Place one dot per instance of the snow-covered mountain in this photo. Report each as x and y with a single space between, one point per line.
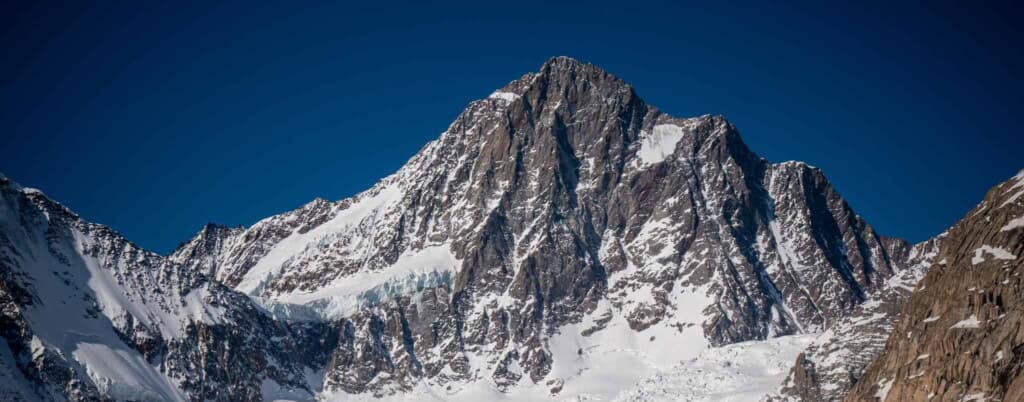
87 315
561 239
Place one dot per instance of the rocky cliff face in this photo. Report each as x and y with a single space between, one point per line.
558 225
959 337
830 365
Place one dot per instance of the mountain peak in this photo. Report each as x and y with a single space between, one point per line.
6 181
562 66
213 229
563 62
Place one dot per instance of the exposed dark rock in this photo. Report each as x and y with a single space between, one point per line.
959 337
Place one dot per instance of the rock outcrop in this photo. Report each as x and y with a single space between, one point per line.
959 337
830 365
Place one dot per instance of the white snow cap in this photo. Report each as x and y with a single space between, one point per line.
505 96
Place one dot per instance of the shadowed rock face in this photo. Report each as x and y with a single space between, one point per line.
959 336
829 367
562 202
77 298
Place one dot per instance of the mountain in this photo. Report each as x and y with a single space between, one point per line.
88 315
959 336
561 239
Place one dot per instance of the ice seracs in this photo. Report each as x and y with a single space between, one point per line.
414 271
739 372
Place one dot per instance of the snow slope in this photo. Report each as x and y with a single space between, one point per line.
742 372
739 372
79 304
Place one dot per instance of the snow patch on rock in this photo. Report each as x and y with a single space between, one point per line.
968 323
1017 188
998 253
659 143
505 96
1013 224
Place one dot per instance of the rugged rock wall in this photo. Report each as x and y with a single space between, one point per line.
829 367
959 337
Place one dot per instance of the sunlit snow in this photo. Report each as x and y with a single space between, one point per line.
1017 188
505 96
659 143
969 322
741 372
996 252
1013 224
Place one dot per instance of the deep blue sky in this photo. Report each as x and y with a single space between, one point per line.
157 119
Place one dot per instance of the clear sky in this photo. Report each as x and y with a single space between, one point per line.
155 119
